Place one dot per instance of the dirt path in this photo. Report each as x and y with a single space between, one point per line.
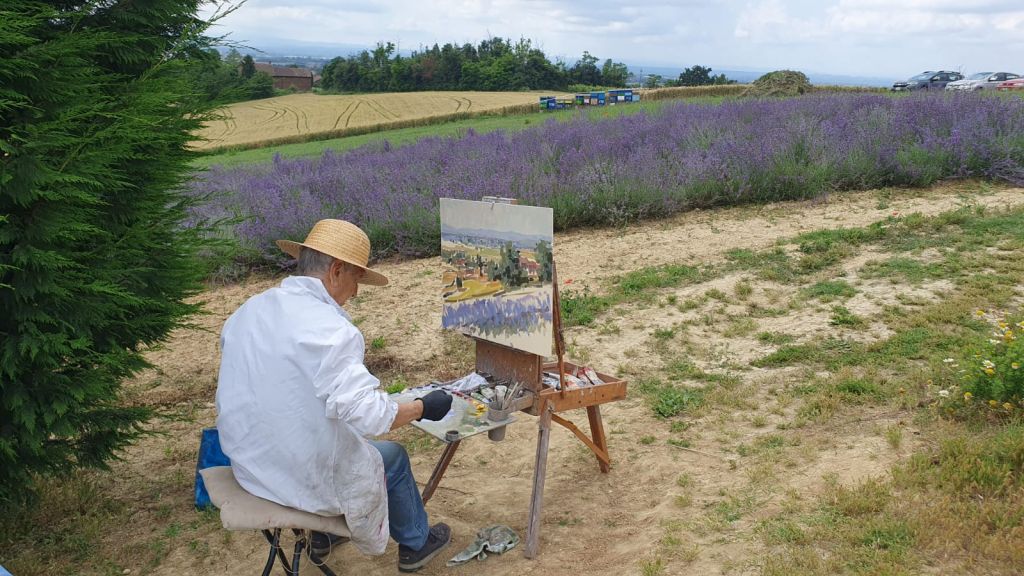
663 509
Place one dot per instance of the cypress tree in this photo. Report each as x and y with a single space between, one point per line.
96 111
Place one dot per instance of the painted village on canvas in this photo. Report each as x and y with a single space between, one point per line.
497 272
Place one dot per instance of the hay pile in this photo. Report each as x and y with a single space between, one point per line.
780 83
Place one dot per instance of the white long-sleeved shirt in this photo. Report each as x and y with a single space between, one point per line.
294 402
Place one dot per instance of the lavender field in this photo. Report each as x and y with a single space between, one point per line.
501 316
635 166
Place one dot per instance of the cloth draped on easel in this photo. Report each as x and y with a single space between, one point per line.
494 539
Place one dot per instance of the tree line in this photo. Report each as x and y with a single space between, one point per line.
494 64
695 75
231 78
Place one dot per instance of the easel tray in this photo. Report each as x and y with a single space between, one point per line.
612 390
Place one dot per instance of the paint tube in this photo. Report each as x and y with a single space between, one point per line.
592 376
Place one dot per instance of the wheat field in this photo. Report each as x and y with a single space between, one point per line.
299 117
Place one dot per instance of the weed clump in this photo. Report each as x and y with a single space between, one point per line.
780 83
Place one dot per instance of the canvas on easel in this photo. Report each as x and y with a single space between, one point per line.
498 270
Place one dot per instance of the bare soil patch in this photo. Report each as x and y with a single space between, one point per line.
676 501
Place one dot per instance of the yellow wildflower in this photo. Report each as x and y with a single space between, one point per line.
1008 336
993 403
968 396
1014 365
1007 406
980 312
989 371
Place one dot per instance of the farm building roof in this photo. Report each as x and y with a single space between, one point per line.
282 71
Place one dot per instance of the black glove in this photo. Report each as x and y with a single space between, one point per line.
435 405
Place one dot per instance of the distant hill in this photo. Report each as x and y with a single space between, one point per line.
747 76
491 238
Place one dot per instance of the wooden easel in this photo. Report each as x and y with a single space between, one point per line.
547 403
505 363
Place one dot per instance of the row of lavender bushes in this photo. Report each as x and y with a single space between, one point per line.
635 166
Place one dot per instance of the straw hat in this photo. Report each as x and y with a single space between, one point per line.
342 240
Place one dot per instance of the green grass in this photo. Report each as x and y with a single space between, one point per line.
647 279
777 338
787 355
397 386
968 489
668 400
829 290
965 482
841 316
582 307
907 270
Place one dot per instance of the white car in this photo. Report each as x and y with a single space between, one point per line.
981 81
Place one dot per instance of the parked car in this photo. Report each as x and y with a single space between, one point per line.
1017 84
928 81
982 81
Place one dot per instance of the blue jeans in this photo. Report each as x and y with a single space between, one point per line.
407 519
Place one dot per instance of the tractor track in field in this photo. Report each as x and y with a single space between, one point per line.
275 113
349 119
382 110
342 115
298 120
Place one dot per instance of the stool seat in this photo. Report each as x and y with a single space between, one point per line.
240 510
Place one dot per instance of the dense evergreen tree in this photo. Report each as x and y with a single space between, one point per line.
493 64
231 79
248 69
97 107
699 76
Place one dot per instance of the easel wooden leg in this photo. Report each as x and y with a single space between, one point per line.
539 471
597 431
439 469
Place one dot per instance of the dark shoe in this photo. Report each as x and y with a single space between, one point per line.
321 543
410 560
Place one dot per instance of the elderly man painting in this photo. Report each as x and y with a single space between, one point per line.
294 403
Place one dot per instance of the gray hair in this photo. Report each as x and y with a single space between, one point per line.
313 263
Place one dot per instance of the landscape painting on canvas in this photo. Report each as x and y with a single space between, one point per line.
497 270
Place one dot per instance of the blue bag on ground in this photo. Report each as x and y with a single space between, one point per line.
210 455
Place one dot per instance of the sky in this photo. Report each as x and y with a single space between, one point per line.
874 38
534 221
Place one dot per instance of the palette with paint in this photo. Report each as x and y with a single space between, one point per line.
468 416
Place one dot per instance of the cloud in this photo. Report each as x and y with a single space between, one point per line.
876 37
769 21
774 22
